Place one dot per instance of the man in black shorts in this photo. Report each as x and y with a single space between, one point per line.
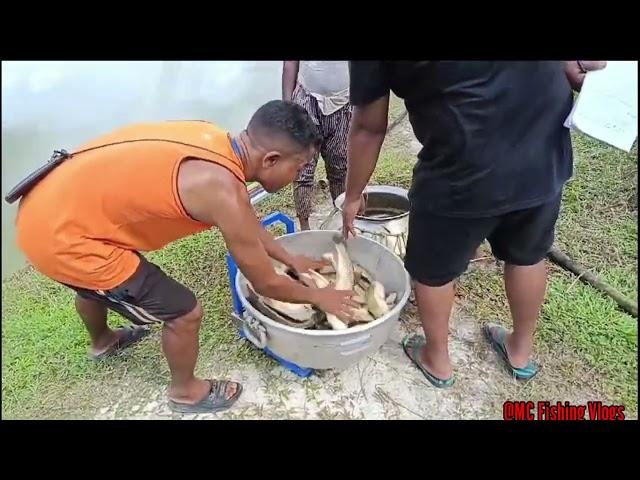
494 161
143 186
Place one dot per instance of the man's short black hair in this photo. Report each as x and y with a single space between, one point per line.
286 119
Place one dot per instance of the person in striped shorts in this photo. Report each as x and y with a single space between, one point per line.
322 88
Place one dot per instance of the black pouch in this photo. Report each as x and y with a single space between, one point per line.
30 181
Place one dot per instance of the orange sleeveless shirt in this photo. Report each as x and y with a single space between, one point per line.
83 223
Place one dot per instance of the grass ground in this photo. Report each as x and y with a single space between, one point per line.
598 228
46 374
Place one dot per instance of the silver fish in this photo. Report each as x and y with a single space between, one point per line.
344 267
257 301
344 278
296 311
375 300
362 274
280 268
307 280
319 280
362 315
329 257
342 274
391 298
336 323
363 284
327 269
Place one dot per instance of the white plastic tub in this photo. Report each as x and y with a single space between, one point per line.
330 349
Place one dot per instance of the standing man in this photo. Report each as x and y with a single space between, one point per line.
322 88
494 162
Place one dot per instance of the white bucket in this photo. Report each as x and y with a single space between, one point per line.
390 228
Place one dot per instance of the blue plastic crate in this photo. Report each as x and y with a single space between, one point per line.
276 217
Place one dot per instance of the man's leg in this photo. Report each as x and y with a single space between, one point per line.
334 149
525 287
438 251
304 185
151 296
303 193
94 316
522 240
180 346
434 308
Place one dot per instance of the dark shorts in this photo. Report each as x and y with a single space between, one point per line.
439 248
148 296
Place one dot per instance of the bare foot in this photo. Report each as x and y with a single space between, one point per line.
119 338
438 366
518 359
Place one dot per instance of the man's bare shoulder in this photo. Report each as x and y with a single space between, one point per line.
208 190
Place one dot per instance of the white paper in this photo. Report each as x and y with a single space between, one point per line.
607 107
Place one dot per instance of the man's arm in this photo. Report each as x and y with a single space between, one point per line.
221 200
369 94
289 78
366 136
243 234
299 263
273 248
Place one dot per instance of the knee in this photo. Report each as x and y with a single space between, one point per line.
195 315
190 321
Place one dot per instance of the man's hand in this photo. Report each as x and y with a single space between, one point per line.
336 302
576 70
302 264
350 209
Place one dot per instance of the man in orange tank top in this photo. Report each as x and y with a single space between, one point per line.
143 186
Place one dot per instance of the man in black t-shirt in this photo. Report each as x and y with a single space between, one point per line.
495 158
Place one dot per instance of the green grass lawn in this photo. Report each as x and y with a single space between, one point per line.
46 374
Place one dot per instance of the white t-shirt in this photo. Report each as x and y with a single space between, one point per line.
327 82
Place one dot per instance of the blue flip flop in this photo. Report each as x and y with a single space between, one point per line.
496 336
411 345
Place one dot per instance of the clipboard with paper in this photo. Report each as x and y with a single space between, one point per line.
607 106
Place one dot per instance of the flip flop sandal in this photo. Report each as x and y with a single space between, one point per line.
412 345
214 401
129 336
496 336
